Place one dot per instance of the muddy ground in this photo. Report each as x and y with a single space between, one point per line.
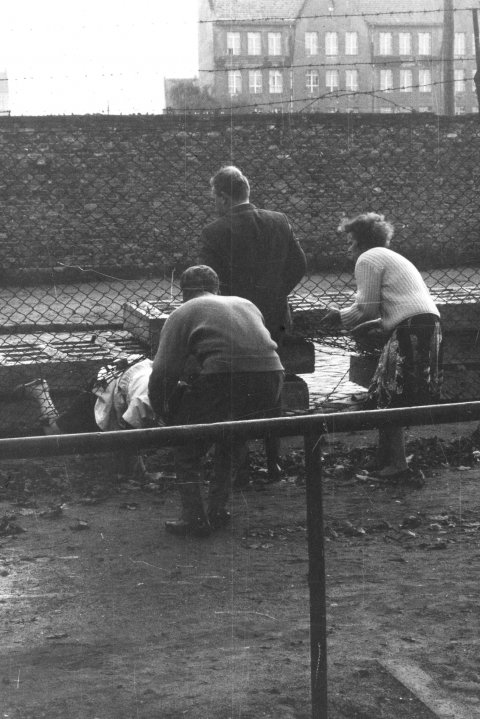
107 617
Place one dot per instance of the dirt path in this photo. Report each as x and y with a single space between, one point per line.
107 617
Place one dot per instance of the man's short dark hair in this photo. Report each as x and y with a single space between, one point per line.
232 182
199 278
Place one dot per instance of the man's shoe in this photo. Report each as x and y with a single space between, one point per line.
219 518
184 528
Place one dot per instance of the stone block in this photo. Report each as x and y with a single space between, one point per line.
295 394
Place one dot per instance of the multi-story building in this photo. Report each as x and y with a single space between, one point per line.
334 55
246 51
4 97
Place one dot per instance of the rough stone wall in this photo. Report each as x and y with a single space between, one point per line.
129 195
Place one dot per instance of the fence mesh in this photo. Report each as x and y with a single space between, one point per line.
100 215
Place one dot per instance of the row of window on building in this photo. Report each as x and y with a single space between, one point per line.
405 80
390 109
388 43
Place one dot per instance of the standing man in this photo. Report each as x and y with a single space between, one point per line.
239 376
253 252
256 256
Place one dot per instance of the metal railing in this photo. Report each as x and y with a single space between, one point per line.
311 427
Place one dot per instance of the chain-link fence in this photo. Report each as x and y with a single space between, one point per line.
101 214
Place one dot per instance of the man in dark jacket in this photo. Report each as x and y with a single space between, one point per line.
256 256
253 252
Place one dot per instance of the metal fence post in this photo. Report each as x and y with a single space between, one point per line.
316 576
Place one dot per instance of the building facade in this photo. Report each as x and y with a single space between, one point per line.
334 55
4 96
246 52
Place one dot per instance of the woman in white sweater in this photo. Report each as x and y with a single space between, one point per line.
391 289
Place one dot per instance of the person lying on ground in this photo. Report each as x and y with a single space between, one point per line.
390 288
116 400
240 376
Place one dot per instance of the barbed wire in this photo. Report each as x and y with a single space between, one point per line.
369 63
386 13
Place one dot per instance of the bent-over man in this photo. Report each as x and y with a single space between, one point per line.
239 376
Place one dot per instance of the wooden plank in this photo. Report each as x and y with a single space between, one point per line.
68 361
431 694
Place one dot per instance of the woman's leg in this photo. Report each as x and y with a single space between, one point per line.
392 447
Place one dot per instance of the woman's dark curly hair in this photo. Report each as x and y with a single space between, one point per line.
369 230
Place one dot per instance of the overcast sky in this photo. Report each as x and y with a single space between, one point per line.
95 55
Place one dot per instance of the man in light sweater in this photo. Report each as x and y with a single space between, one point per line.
237 375
391 289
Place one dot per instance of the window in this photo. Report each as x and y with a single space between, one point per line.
385 43
425 80
255 81
424 43
351 43
386 110
254 43
406 80
386 80
351 80
425 108
234 82
274 43
459 46
312 81
311 43
331 80
331 43
459 80
233 43
404 43
275 78
459 110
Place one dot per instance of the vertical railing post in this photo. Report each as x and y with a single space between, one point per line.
316 576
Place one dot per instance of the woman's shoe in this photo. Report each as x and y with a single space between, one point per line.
414 478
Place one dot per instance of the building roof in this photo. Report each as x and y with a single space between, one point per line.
404 12
238 10
375 11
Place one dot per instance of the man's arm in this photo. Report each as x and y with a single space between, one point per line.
212 253
295 265
168 364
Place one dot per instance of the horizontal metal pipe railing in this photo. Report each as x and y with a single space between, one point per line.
311 427
249 429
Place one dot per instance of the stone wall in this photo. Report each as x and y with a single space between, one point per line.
129 195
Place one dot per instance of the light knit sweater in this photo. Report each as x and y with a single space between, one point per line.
388 287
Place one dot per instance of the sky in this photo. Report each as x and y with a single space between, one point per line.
103 56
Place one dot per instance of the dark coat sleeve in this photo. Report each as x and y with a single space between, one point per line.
209 253
295 265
